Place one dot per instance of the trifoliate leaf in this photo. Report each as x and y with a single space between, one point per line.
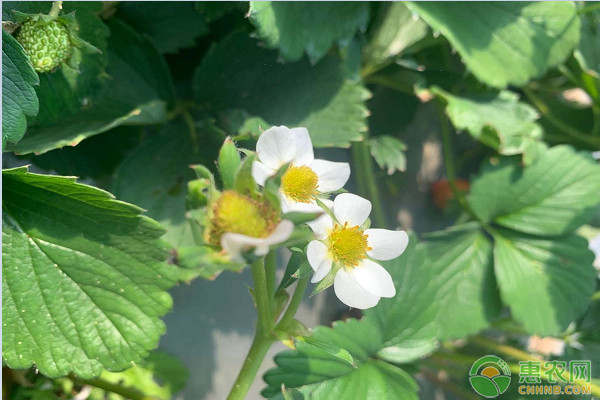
18 95
83 277
323 374
506 43
295 26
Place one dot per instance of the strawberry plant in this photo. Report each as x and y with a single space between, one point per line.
300 200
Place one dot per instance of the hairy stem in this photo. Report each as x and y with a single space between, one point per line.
260 345
56 7
290 313
270 267
365 177
262 338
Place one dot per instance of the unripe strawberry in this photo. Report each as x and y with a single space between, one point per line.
47 43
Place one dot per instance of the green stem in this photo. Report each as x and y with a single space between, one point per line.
565 128
365 176
449 163
261 297
297 297
128 393
260 345
56 7
263 337
191 124
596 296
449 386
270 267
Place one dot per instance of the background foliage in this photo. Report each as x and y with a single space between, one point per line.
503 248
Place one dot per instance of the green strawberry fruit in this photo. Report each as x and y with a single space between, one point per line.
47 43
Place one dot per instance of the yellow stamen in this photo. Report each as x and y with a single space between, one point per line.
348 245
236 213
299 183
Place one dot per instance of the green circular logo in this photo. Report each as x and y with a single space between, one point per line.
490 376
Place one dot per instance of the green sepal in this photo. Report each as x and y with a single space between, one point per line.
296 263
272 185
197 194
328 280
229 162
301 217
244 182
203 262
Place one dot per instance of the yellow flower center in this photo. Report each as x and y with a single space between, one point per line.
299 183
236 213
348 245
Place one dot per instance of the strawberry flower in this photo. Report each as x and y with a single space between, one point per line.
360 281
306 179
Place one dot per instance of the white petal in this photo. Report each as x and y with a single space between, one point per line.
303 153
321 226
350 293
276 147
281 233
374 279
350 208
322 271
236 243
260 172
316 252
386 244
332 175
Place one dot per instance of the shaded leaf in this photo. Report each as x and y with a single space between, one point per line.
170 26
295 26
18 95
316 97
136 93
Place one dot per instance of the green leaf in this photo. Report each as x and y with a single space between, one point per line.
388 152
463 275
500 120
170 26
18 95
546 283
317 373
294 27
155 176
316 97
136 93
506 42
407 321
553 196
83 277
395 30
159 376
